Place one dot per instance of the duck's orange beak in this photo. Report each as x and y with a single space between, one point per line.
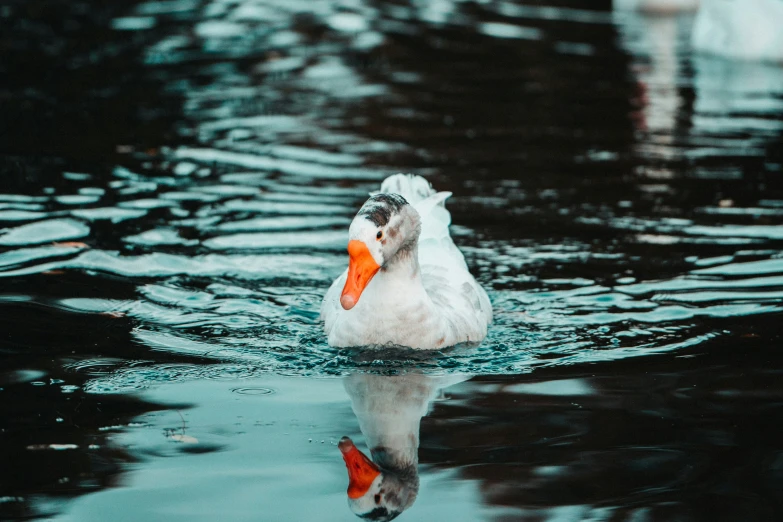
361 470
361 268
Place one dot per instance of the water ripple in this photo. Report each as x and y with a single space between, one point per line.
636 222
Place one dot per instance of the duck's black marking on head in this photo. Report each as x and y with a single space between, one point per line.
380 207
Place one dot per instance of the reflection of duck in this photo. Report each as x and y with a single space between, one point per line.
741 29
407 283
389 410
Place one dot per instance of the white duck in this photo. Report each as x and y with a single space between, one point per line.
407 284
740 29
389 409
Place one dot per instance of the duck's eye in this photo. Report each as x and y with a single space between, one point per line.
377 499
379 235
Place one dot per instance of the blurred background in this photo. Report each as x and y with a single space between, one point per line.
176 182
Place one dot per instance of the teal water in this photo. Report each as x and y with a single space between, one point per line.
178 182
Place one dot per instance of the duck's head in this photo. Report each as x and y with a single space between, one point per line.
385 228
375 493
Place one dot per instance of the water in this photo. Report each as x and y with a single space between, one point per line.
178 181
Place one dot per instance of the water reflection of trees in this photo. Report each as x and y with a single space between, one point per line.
687 436
57 439
73 89
671 438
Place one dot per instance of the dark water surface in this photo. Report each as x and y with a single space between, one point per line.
177 182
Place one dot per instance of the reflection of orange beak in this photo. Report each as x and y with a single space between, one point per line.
361 268
361 470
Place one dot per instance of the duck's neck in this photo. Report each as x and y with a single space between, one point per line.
405 263
399 280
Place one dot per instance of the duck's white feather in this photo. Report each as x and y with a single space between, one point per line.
440 306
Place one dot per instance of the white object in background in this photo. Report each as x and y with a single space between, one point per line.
656 6
740 29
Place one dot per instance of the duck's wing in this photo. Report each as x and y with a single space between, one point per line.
435 244
461 301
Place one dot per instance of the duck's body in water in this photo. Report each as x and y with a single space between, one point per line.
407 284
